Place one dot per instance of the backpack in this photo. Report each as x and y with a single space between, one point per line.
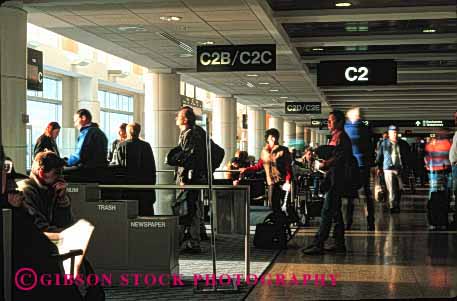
273 233
217 155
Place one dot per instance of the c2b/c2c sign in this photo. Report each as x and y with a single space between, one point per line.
357 73
236 58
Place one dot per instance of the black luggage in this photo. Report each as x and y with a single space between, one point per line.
438 209
273 232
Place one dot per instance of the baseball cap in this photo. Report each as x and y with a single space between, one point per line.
393 128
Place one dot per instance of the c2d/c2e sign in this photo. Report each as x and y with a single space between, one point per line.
220 58
357 73
302 107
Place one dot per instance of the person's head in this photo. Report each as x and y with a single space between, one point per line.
122 131
393 133
48 167
242 155
133 130
335 120
186 117
385 135
353 114
82 118
52 130
272 136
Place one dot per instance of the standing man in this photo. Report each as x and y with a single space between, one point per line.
363 152
276 161
136 156
192 170
92 146
335 167
453 159
392 161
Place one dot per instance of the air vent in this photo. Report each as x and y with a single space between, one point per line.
176 41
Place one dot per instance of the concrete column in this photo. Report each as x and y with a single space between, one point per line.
313 135
68 132
307 136
161 104
13 56
277 123
224 127
256 131
289 134
88 96
138 111
300 137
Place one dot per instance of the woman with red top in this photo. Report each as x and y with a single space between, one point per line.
276 161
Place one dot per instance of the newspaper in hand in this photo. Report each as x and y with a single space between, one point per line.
75 237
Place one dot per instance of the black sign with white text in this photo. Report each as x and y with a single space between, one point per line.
236 58
319 123
357 73
303 107
34 70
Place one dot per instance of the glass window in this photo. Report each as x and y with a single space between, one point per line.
190 90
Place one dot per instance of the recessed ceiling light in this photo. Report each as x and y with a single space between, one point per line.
184 55
250 85
252 75
429 30
343 4
207 43
274 90
284 97
131 29
264 84
317 49
170 18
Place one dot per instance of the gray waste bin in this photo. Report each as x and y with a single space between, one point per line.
80 194
230 209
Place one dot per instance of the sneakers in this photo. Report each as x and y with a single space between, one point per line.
313 250
336 249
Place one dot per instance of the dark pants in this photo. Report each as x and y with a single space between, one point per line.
331 211
275 196
365 177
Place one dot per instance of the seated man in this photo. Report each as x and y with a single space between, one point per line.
45 195
136 156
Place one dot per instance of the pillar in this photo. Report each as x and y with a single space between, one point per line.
313 140
224 127
13 56
88 96
277 123
256 131
306 136
161 104
289 134
299 137
68 132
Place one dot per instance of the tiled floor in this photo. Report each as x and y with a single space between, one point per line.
402 259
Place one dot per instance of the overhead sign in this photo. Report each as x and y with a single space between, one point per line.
412 123
319 123
34 69
303 108
236 58
357 73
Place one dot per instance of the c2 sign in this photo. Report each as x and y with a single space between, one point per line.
236 58
302 107
357 73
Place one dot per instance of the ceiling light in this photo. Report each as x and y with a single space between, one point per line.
264 84
317 49
429 30
250 85
284 97
184 55
170 18
274 90
343 4
131 29
207 43
252 75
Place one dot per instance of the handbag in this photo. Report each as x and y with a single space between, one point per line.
272 233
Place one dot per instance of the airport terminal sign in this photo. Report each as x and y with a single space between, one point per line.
34 70
357 73
303 108
236 58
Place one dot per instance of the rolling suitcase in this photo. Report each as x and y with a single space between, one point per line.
438 209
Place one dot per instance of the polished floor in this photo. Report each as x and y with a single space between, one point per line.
400 260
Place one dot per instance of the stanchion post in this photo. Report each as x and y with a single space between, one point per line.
247 261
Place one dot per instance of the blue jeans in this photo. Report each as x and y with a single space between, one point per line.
331 210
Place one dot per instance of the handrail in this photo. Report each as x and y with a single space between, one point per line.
247 197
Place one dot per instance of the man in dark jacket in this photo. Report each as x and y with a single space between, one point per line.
92 146
363 152
192 170
392 160
136 156
335 167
